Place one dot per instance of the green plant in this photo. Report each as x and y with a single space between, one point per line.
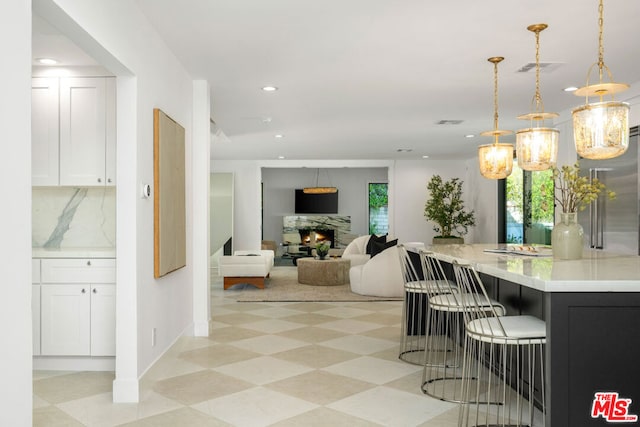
322 249
573 191
446 208
378 196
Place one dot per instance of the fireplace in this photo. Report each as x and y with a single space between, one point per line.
310 237
336 228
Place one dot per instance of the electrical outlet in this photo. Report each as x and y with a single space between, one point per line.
153 337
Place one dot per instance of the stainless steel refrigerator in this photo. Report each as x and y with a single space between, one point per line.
613 225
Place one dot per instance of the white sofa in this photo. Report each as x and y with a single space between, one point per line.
246 266
376 276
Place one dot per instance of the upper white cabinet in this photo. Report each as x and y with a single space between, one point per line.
73 127
44 131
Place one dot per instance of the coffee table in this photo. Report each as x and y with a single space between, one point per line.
327 272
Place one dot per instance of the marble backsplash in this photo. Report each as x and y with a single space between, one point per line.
68 217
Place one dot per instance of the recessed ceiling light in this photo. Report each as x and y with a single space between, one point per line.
269 88
469 136
278 136
281 157
266 120
47 61
425 157
570 89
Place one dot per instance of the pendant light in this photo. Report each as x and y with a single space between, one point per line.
496 160
601 129
537 147
317 189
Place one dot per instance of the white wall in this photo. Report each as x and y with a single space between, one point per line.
246 201
221 208
410 184
15 191
126 43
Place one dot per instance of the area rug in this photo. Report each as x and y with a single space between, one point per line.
283 286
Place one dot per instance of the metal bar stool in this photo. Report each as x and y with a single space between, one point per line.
501 355
417 287
443 355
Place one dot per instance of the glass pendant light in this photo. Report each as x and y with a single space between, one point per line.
496 160
601 129
537 147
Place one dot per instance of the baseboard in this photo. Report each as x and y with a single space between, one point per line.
126 391
60 363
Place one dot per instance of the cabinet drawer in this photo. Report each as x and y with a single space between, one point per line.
35 271
78 270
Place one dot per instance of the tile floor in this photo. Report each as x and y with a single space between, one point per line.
265 364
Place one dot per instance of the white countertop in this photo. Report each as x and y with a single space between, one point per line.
73 253
597 271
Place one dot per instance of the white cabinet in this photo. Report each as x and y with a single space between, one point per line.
73 127
103 320
66 320
35 305
78 307
44 131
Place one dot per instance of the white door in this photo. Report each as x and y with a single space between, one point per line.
82 131
103 320
65 320
44 131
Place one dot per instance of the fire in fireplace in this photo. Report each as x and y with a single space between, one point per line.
320 236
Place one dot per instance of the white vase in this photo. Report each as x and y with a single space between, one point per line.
567 237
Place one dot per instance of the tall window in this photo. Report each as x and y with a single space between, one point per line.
529 206
378 208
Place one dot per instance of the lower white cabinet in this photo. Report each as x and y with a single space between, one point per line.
35 315
103 320
77 307
66 320
35 306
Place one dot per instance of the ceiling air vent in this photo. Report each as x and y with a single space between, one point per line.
449 122
545 67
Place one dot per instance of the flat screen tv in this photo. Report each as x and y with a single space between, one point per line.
316 203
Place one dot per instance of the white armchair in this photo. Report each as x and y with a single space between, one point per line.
356 251
379 276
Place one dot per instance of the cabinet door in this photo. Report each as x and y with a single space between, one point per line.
65 320
44 131
82 131
103 320
35 318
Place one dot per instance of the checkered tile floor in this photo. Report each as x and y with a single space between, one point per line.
264 364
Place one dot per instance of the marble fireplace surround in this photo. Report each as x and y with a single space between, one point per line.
340 224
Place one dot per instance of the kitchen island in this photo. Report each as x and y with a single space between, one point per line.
592 311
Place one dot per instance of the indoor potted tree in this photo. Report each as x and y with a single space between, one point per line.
446 208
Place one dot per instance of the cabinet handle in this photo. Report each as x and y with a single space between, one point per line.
89 263
84 291
95 291
99 179
109 180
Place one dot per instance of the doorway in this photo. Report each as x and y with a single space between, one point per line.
528 207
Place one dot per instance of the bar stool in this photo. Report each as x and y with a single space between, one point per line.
500 352
417 289
443 355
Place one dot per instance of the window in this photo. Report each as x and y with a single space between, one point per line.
528 207
378 208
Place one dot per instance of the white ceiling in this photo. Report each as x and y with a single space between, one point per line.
360 79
